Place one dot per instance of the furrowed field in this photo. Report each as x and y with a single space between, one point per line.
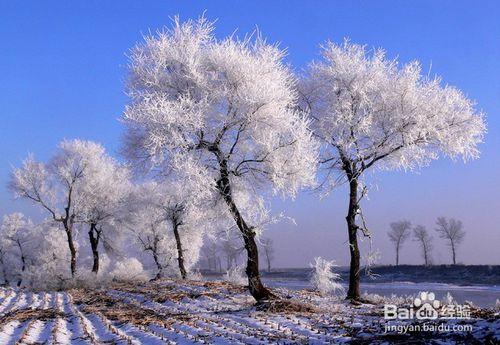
195 312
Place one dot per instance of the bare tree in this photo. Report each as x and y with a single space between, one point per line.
399 233
268 246
421 235
452 231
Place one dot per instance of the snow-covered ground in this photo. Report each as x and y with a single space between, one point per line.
171 312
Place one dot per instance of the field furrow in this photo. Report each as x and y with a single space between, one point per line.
190 312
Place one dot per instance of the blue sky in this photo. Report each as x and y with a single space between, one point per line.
63 66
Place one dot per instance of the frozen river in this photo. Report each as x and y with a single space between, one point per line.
481 295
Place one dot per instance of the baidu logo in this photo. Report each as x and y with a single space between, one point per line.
426 307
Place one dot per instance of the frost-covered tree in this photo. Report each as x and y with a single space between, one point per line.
63 187
421 235
4 263
47 268
17 239
221 114
323 278
210 250
268 248
104 191
452 231
52 186
173 211
231 247
167 223
35 255
374 114
399 233
149 227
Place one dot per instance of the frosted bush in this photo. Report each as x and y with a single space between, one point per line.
129 270
195 275
401 300
323 278
235 275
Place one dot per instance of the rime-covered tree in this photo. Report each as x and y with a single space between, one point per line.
17 240
399 233
231 247
55 188
452 231
149 227
104 191
374 114
4 263
167 223
268 248
173 211
67 187
47 266
210 250
221 114
34 255
421 235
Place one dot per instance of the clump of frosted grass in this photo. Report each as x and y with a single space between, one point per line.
235 275
323 279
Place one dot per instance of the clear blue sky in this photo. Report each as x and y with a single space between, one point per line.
63 65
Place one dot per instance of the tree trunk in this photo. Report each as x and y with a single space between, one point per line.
268 263
353 292
4 272
158 266
94 243
397 255
23 262
72 250
180 255
453 252
425 254
257 289
219 261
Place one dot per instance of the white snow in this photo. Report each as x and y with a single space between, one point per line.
202 312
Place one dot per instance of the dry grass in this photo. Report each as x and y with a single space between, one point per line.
286 306
160 291
31 314
98 302
487 314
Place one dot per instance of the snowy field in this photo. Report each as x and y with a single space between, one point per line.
167 312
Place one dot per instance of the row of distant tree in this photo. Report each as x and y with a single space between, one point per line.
451 230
